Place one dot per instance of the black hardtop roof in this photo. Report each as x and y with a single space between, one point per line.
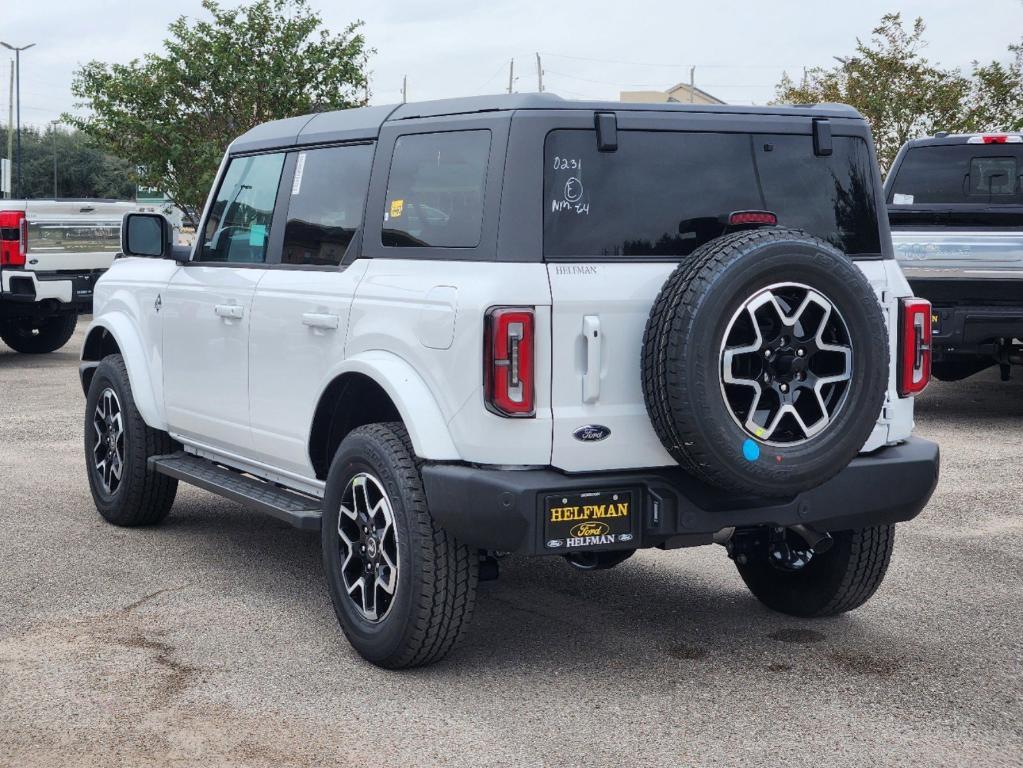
363 123
950 139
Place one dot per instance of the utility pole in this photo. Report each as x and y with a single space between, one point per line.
404 89
692 84
539 74
17 70
511 75
10 134
53 127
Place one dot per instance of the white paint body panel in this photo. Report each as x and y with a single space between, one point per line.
619 296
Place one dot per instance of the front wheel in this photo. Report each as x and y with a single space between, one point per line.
838 580
38 336
118 444
403 588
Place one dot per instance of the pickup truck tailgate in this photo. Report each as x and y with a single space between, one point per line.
74 235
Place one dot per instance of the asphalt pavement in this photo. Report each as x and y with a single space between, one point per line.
210 640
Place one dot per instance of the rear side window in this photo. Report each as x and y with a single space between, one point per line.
238 227
663 194
959 173
435 190
328 194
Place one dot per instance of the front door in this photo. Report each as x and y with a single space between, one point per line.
207 308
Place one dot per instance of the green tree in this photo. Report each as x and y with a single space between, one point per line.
83 169
900 93
173 114
996 103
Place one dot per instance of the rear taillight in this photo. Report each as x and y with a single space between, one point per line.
508 373
13 238
914 346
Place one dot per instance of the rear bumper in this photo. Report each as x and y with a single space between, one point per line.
503 509
971 315
47 292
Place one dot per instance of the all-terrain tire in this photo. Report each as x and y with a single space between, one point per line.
436 575
38 336
841 579
682 372
142 496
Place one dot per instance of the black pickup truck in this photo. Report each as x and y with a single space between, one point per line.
955 204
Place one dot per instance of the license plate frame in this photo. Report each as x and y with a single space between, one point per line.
584 520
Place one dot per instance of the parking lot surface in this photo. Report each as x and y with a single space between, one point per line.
210 640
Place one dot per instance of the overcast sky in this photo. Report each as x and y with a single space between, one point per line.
589 49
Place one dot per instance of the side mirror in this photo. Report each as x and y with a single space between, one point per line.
147 234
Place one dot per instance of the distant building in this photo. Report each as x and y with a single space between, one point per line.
683 92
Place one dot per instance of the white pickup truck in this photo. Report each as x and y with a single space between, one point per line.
51 254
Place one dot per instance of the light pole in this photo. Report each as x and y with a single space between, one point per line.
17 77
53 127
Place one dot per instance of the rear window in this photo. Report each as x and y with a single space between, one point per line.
435 190
663 194
959 174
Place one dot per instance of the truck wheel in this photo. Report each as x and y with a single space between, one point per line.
118 444
765 362
37 336
841 579
403 588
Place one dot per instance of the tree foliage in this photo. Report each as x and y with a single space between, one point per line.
174 113
903 95
83 169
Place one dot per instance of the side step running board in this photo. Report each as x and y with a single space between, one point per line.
300 511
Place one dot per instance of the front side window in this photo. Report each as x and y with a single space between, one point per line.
665 193
238 228
328 194
435 190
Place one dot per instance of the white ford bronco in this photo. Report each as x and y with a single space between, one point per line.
440 333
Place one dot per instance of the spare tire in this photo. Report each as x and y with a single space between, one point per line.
765 362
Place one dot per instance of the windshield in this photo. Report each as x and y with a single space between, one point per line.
665 193
977 174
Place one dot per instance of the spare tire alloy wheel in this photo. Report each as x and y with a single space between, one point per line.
786 363
369 546
765 362
109 441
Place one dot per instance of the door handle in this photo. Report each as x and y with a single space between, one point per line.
591 377
229 311
321 320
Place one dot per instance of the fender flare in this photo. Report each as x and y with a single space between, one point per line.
119 325
426 425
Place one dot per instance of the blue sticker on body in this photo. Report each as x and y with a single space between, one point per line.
750 450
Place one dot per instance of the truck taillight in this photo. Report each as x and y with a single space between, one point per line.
13 238
914 346
508 371
996 138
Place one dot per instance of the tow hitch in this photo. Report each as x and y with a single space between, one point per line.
787 549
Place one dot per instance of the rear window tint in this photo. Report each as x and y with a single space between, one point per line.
435 190
663 194
959 174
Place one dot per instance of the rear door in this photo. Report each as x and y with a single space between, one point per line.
617 223
73 235
300 312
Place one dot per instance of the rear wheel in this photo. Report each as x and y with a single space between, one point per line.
809 584
118 444
403 588
37 336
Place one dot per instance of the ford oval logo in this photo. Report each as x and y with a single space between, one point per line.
591 433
